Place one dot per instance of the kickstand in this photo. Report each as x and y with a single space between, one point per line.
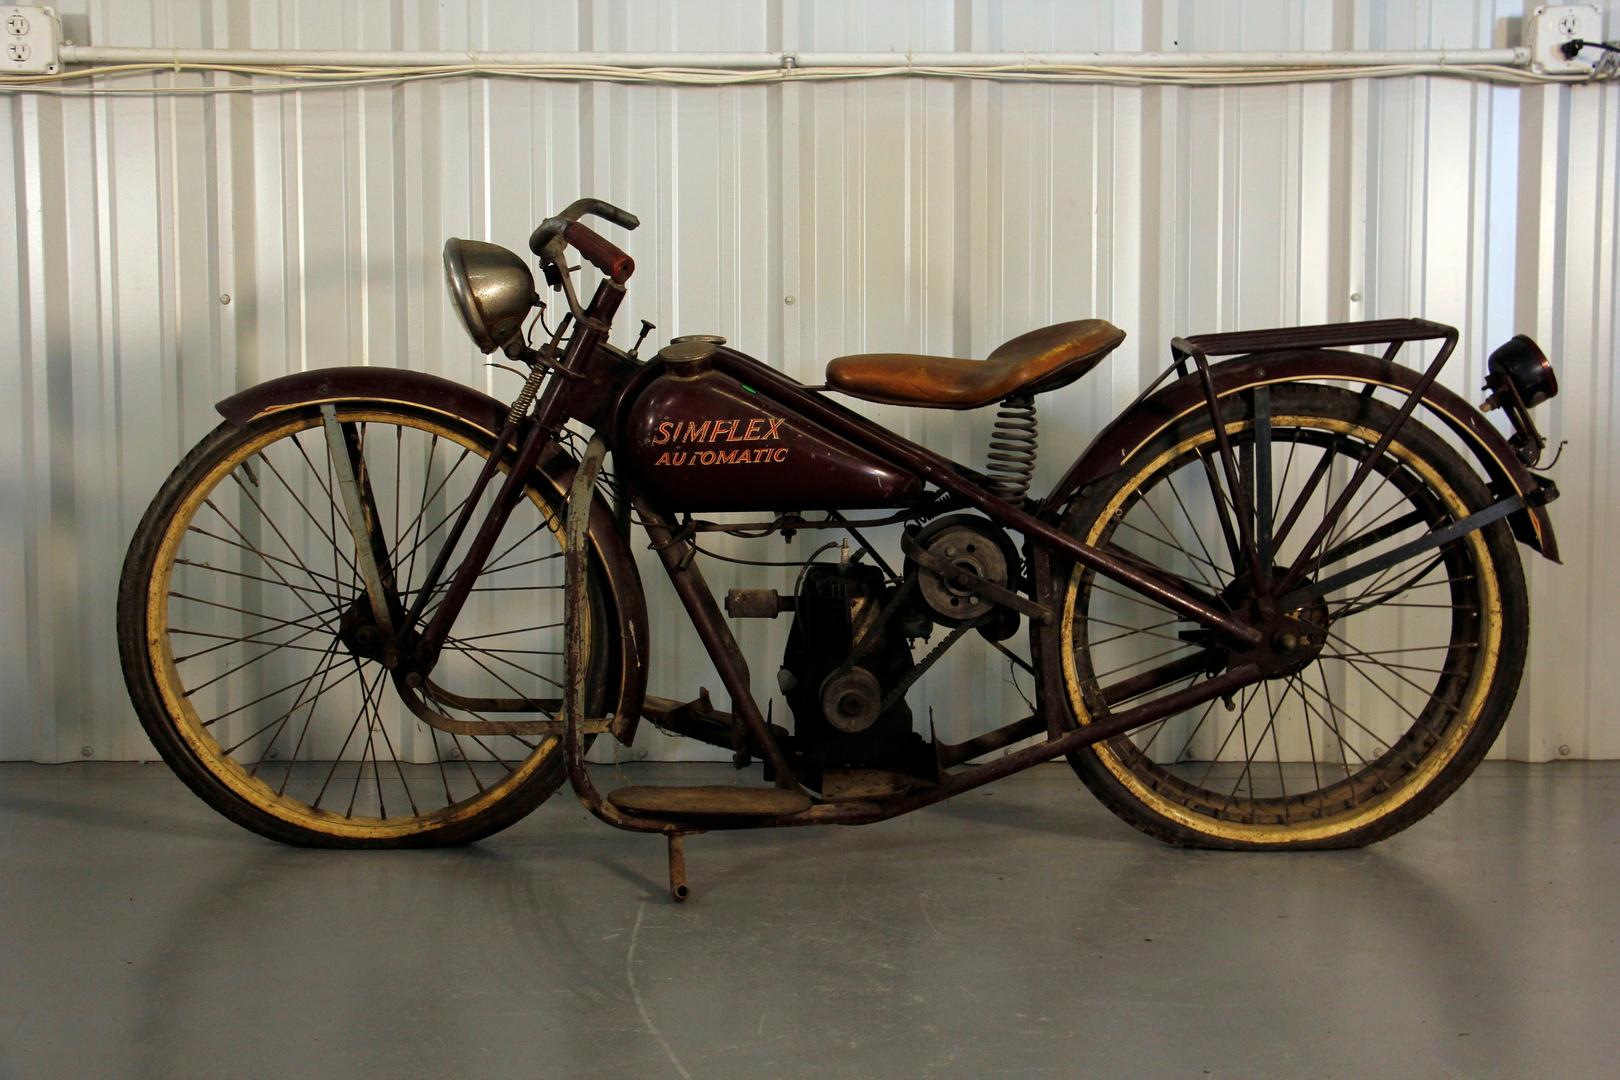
677 867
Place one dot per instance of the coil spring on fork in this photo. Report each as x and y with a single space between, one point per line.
1012 447
526 396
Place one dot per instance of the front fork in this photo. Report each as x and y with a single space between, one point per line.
533 443
549 417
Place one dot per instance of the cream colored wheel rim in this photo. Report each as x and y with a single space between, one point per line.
1434 761
255 790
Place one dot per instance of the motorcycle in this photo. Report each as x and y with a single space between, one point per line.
1269 607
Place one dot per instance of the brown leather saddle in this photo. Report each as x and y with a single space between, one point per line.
1029 364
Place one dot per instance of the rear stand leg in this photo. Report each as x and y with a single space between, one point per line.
677 867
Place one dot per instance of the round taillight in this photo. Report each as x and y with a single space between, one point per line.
1522 363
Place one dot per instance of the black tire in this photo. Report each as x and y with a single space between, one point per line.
1482 631
210 770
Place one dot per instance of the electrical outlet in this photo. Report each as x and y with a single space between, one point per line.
1550 27
33 37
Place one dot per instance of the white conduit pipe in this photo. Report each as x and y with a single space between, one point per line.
765 61
106 68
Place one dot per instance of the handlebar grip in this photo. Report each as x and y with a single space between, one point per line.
600 252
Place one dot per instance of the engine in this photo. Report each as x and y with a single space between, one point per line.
848 661
841 663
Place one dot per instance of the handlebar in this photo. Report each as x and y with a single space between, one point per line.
548 239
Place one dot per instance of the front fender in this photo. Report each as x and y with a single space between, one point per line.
430 393
1140 424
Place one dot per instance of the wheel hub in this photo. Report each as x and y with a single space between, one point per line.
360 634
1290 641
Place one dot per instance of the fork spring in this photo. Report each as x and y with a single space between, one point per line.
526 396
1013 447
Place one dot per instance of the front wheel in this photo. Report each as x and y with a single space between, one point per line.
250 650
1416 668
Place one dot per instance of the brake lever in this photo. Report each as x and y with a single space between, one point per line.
566 284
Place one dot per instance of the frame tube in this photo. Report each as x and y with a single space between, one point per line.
943 474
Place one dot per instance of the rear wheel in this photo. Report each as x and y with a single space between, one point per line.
252 657
1417 665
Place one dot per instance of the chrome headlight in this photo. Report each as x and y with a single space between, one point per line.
491 289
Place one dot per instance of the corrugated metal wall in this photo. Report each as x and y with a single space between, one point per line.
166 251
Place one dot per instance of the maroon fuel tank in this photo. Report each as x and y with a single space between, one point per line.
697 439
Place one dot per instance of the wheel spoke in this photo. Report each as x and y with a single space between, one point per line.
265 727
255 701
1364 600
274 648
1367 600
268 520
438 759
468 650
1276 751
1222 502
329 536
1139 630
1159 727
1310 742
1351 658
1220 505
369 706
337 759
1134 630
1214 759
309 716
410 556
251 547
1378 739
1181 755
415 526
322 615
247 576
227 640
1192 560
1146 659
1327 696
507 633
1261 496
1317 475
267 559
265 753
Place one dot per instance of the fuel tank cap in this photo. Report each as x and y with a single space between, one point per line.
714 339
690 353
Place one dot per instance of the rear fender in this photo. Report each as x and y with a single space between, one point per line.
430 393
1140 424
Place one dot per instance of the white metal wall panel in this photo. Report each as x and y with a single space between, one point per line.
802 222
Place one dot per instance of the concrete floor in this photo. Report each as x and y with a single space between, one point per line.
1020 931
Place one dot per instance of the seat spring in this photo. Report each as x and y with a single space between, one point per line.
1013 447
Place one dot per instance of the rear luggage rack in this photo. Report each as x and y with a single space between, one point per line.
1324 336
